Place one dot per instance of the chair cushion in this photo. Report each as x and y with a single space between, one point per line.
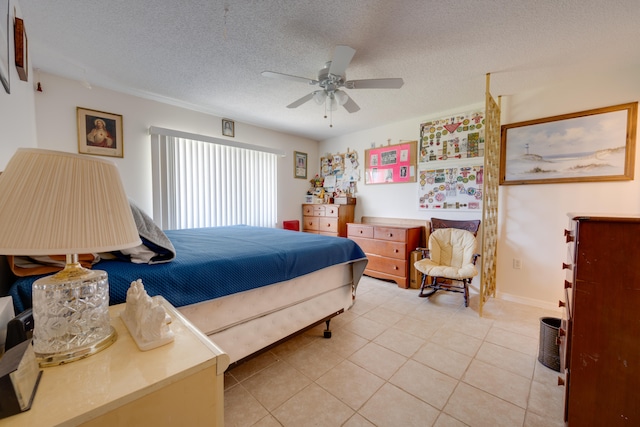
451 253
428 267
452 246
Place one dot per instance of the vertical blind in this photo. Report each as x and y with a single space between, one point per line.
200 181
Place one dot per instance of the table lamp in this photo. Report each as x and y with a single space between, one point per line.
55 203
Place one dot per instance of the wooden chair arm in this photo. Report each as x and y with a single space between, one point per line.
425 252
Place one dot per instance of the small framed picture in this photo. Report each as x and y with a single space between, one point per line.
21 53
99 133
300 165
228 128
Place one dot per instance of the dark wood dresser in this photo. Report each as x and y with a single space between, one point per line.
600 333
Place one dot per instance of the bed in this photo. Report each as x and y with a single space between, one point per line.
246 288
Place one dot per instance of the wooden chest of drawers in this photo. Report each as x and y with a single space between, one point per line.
599 345
388 249
327 219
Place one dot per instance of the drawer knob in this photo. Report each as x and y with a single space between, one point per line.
395 267
360 231
567 284
569 236
566 266
390 235
396 251
560 380
561 304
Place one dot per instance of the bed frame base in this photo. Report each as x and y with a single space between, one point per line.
326 334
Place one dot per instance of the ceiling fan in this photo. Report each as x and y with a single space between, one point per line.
332 82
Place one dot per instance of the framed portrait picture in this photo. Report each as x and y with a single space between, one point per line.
228 128
300 165
593 145
99 133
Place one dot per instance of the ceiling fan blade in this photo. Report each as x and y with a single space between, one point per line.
301 101
342 56
350 105
393 83
283 76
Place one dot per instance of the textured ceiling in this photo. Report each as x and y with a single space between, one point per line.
208 55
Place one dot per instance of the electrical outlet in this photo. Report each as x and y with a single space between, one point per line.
517 263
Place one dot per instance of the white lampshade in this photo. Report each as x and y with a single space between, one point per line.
56 203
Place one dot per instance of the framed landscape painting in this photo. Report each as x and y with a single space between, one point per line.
593 145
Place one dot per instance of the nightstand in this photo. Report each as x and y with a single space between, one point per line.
180 383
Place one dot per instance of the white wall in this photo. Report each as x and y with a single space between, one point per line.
57 130
17 109
532 217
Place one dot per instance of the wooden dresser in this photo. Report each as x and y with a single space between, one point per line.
388 249
600 333
327 219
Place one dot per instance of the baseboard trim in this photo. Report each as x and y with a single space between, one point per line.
529 301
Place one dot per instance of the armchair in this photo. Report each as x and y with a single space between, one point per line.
450 258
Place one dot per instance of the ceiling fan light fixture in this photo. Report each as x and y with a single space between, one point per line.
332 103
319 96
341 97
331 79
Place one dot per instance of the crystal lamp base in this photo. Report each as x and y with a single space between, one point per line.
71 315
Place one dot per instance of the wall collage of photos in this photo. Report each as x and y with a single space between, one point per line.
451 163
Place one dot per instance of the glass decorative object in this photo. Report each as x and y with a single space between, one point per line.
71 309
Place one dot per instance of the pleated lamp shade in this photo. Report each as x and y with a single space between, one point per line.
57 203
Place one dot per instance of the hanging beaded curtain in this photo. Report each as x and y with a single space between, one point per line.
490 201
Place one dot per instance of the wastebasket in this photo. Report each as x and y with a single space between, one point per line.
548 351
293 224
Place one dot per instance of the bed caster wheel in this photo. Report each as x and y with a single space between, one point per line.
327 334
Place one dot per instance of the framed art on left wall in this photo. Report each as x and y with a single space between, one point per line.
99 133
4 44
299 165
21 50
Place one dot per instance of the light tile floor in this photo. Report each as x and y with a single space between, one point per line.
399 360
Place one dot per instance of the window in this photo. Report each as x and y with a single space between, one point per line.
200 181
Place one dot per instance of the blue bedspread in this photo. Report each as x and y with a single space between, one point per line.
218 261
